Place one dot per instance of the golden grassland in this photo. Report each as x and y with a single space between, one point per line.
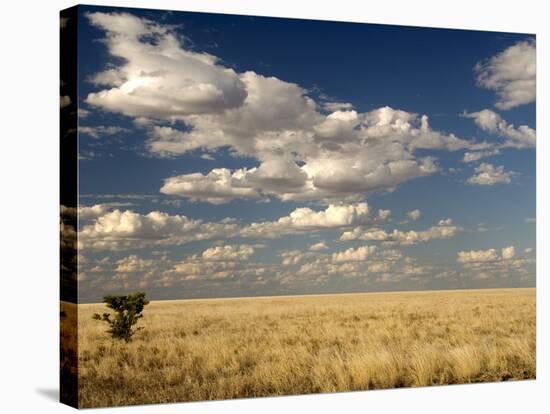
232 348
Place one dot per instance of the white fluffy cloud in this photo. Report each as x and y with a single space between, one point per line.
354 255
322 245
193 269
293 257
364 262
120 230
508 252
304 219
220 262
380 266
216 187
511 74
133 264
97 210
384 215
490 255
344 157
488 174
478 155
515 137
414 215
474 256
228 252
134 272
444 230
101 130
83 113
332 216
303 154
273 177
149 82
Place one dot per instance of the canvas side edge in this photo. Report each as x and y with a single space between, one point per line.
68 207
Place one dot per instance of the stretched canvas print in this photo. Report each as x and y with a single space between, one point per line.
256 206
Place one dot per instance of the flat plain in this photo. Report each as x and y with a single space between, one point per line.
213 349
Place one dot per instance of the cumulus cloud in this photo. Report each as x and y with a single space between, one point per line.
275 176
353 255
478 155
101 130
228 252
133 264
489 174
332 216
489 264
345 156
216 187
381 267
149 82
196 269
490 255
304 219
414 215
85 212
364 262
121 230
444 230
253 274
515 137
83 113
302 153
508 252
384 215
511 74
322 245
293 257
474 256
220 262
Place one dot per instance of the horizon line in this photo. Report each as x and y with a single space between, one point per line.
316 294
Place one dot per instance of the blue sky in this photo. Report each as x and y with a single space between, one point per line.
232 156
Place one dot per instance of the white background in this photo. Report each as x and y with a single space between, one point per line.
29 205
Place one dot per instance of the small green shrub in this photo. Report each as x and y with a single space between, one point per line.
128 311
